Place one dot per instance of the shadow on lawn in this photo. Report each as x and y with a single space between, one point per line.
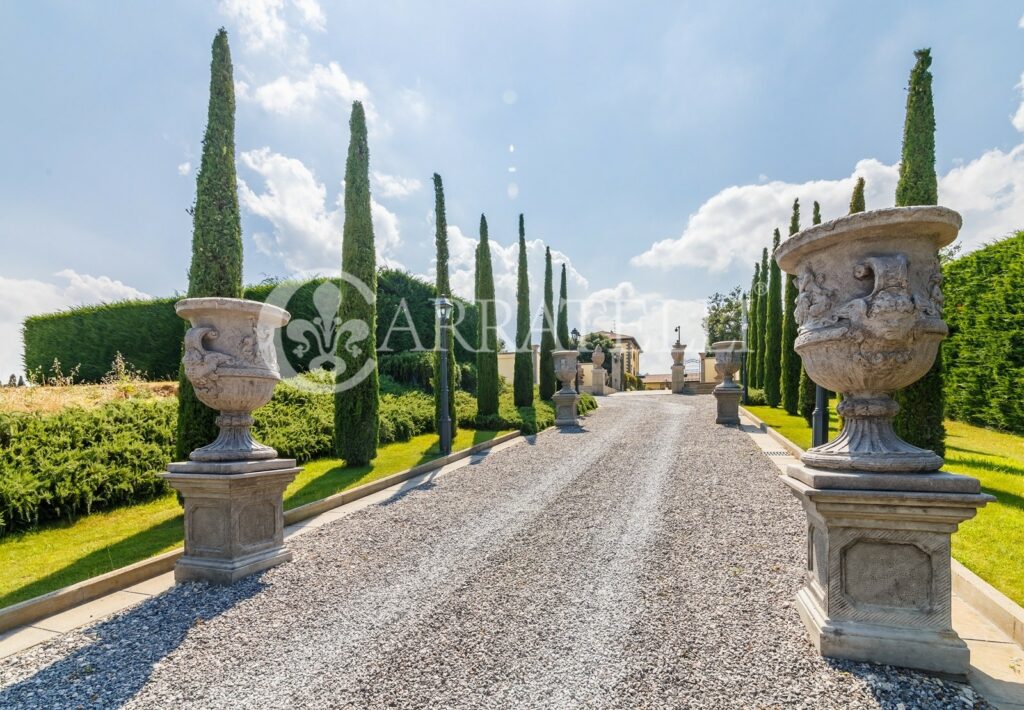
141 545
121 652
985 465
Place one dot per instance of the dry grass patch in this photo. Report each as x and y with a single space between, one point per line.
50 400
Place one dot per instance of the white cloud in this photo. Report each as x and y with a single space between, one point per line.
1021 22
650 317
733 225
263 25
394 185
259 21
20 298
312 14
306 232
1018 118
184 168
287 95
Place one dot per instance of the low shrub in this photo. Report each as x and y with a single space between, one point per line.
528 420
756 397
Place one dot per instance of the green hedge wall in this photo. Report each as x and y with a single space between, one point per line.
984 354
148 334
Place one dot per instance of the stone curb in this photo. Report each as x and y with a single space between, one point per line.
32 610
1005 614
783 441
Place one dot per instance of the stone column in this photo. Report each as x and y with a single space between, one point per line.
728 393
598 373
232 488
678 368
566 398
879 511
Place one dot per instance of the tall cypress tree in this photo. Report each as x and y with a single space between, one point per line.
773 337
857 199
762 317
444 290
753 335
547 333
355 408
562 330
216 268
487 384
807 386
922 404
790 385
522 385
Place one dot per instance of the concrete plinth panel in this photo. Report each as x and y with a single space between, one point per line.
597 386
728 404
678 379
234 517
565 408
877 585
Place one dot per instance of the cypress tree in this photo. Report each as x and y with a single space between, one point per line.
547 334
355 408
562 341
522 385
753 334
790 384
444 290
762 318
922 404
487 384
807 386
857 199
773 337
216 268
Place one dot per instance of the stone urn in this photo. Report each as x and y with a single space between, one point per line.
678 351
566 398
728 354
598 357
231 361
877 583
869 314
728 393
597 373
678 368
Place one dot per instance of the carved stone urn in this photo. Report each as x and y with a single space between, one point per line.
233 487
879 514
566 398
728 355
231 361
598 373
678 368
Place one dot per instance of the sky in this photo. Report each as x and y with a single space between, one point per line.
652 147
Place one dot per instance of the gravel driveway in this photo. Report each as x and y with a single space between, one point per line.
648 560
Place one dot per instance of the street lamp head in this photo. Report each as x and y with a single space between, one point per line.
444 308
575 338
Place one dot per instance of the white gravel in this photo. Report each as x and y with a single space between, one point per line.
648 561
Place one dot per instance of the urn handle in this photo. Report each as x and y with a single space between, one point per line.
201 364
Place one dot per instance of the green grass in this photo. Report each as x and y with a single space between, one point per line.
793 428
991 544
55 555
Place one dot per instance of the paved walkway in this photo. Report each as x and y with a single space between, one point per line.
649 559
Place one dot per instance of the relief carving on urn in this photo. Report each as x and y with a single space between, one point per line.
869 311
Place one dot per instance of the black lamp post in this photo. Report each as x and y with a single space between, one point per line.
743 353
576 346
820 417
444 420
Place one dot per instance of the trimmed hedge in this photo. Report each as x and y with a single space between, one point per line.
984 353
528 420
148 334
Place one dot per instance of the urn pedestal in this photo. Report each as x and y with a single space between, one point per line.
678 368
879 512
232 488
598 374
728 393
566 398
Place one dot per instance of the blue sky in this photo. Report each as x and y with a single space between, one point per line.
654 146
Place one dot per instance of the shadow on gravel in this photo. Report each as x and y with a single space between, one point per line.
123 651
893 687
572 430
426 485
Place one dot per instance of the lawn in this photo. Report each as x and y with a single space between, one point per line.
992 544
58 554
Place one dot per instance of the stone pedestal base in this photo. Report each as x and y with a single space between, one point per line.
678 379
234 517
565 408
877 585
597 376
728 404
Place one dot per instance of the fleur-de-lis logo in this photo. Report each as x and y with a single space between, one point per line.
313 343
